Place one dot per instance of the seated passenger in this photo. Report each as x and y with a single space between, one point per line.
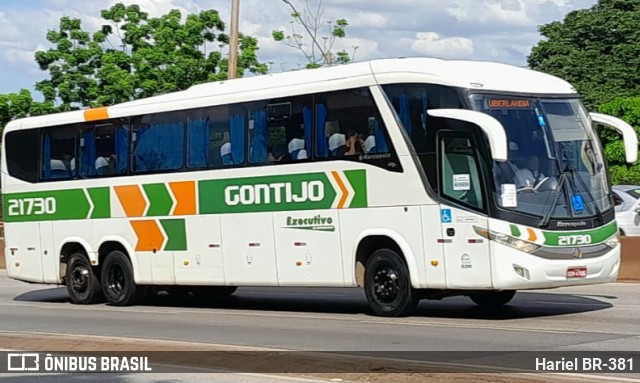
370 144
297 150
354 145
336 142
225 154
59 169
105 164
277 153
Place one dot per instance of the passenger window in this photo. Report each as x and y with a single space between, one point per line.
22 148
158 142
104 149
460 175
59 157
216 136
280 130
349 124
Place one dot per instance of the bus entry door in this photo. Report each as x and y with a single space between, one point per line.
466 252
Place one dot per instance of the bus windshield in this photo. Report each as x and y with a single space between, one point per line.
555 168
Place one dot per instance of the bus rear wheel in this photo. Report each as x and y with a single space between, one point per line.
387 285
492 299
83 285
118 284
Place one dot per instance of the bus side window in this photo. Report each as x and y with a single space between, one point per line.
22 148
280 130
59 157
104 149
158 142
215 137
348 124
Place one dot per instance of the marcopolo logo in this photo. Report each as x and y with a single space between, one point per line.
277 192
287 192
317 223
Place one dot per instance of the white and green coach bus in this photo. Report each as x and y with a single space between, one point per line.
412 178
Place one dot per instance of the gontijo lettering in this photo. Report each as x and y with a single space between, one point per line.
280 192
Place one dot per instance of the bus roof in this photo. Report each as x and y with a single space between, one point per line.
487 76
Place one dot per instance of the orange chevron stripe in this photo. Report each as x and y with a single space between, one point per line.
150 237
96 114
131 199
345 191
185 193
532 235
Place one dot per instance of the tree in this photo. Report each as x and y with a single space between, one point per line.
21 104
596 49
627 108
321 33
134 56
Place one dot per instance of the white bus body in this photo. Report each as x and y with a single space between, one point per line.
257 182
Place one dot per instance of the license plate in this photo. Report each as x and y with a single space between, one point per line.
577 272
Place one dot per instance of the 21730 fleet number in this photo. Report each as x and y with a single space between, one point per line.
31 206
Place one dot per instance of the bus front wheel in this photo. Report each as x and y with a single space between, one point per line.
492 299
387 285
83 285
118 284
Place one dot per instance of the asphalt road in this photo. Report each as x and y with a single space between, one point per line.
594 318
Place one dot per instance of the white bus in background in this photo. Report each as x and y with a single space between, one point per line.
412 178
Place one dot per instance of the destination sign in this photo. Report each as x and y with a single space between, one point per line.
498 103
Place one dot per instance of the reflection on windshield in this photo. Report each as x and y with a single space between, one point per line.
554 169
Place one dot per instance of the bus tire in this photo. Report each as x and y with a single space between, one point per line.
83 285
492 299
387 285
118 285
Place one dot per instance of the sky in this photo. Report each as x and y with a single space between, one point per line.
493 30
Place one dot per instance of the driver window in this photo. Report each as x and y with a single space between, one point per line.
460 176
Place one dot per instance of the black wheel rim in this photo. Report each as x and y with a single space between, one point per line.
116 280
80 279
386 284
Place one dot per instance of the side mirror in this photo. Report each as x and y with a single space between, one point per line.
491 127
629 136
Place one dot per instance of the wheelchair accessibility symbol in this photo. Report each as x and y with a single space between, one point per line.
445 215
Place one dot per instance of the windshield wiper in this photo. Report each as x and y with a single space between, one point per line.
586 190
544 222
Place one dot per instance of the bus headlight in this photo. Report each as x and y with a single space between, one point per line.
507 240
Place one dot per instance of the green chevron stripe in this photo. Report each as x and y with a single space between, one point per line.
358 181
176 233
101 199
159 199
